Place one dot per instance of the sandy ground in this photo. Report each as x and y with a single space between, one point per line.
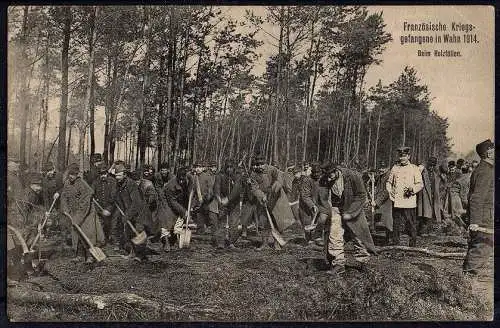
205 284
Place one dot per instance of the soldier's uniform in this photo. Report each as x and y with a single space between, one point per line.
93 172
105 194
76 200
208 206
224 184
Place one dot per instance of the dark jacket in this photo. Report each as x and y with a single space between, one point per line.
383 202
131 201
105 192
481 195
51 185
428 200
177 198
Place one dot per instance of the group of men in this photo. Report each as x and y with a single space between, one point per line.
112 204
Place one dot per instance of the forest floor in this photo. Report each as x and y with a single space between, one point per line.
205 284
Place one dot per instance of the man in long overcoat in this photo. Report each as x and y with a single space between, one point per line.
383 203
348 230
76 200
481 204
105 194
131 201
428 202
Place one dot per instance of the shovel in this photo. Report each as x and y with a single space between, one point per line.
185 235
314 224
95 251
140 238
38 235
274 232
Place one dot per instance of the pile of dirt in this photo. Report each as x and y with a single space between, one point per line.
245 285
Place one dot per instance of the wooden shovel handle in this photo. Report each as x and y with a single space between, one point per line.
77 227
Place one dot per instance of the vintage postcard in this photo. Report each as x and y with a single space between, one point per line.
250 163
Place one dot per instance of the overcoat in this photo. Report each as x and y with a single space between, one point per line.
177 198
76 199
131 201
428 200
207 184
481 195
353 201
312 194
51 185
383 201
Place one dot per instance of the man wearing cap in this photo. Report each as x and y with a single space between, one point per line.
481 204
428 203
133 205
348 242
76 200
52 182
163 176
265 189
208 206
404 182
93 173
312 201
382 202
177 192
105 194
225 183
156 203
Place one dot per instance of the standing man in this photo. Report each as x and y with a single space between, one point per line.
223 186
481 203
348 230
163 176
209 207
383 204
428 202
404 182
92 173
131 201
76 200
105 194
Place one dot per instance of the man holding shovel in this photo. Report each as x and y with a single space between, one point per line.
76 200
131 203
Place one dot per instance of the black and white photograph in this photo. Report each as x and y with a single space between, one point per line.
194 163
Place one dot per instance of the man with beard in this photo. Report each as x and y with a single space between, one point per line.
383 204
348 231
76 200
404 182
265 190
481 204
428 202
135 209
312 201
105 194
225 183
176 193
163 176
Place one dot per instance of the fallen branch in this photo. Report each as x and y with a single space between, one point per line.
423 251
25 295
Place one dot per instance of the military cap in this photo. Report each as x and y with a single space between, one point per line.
451 164
101 167
47 166
73 169
315 168
460 162
482 147
135 175
96 157
164 165
403 150
432 161
258 159
35 178
119 168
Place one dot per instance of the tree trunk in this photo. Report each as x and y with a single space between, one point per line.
24 89
68 148
171 62
278 88
404 128
368 144
64 88
375 163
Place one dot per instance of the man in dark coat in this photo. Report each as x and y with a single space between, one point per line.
383 203
224 184
208 212
76 200
348 230
312 201
105 194
481 204
177 192
265 189
428 203
131 201
163 176
52 182
92 173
